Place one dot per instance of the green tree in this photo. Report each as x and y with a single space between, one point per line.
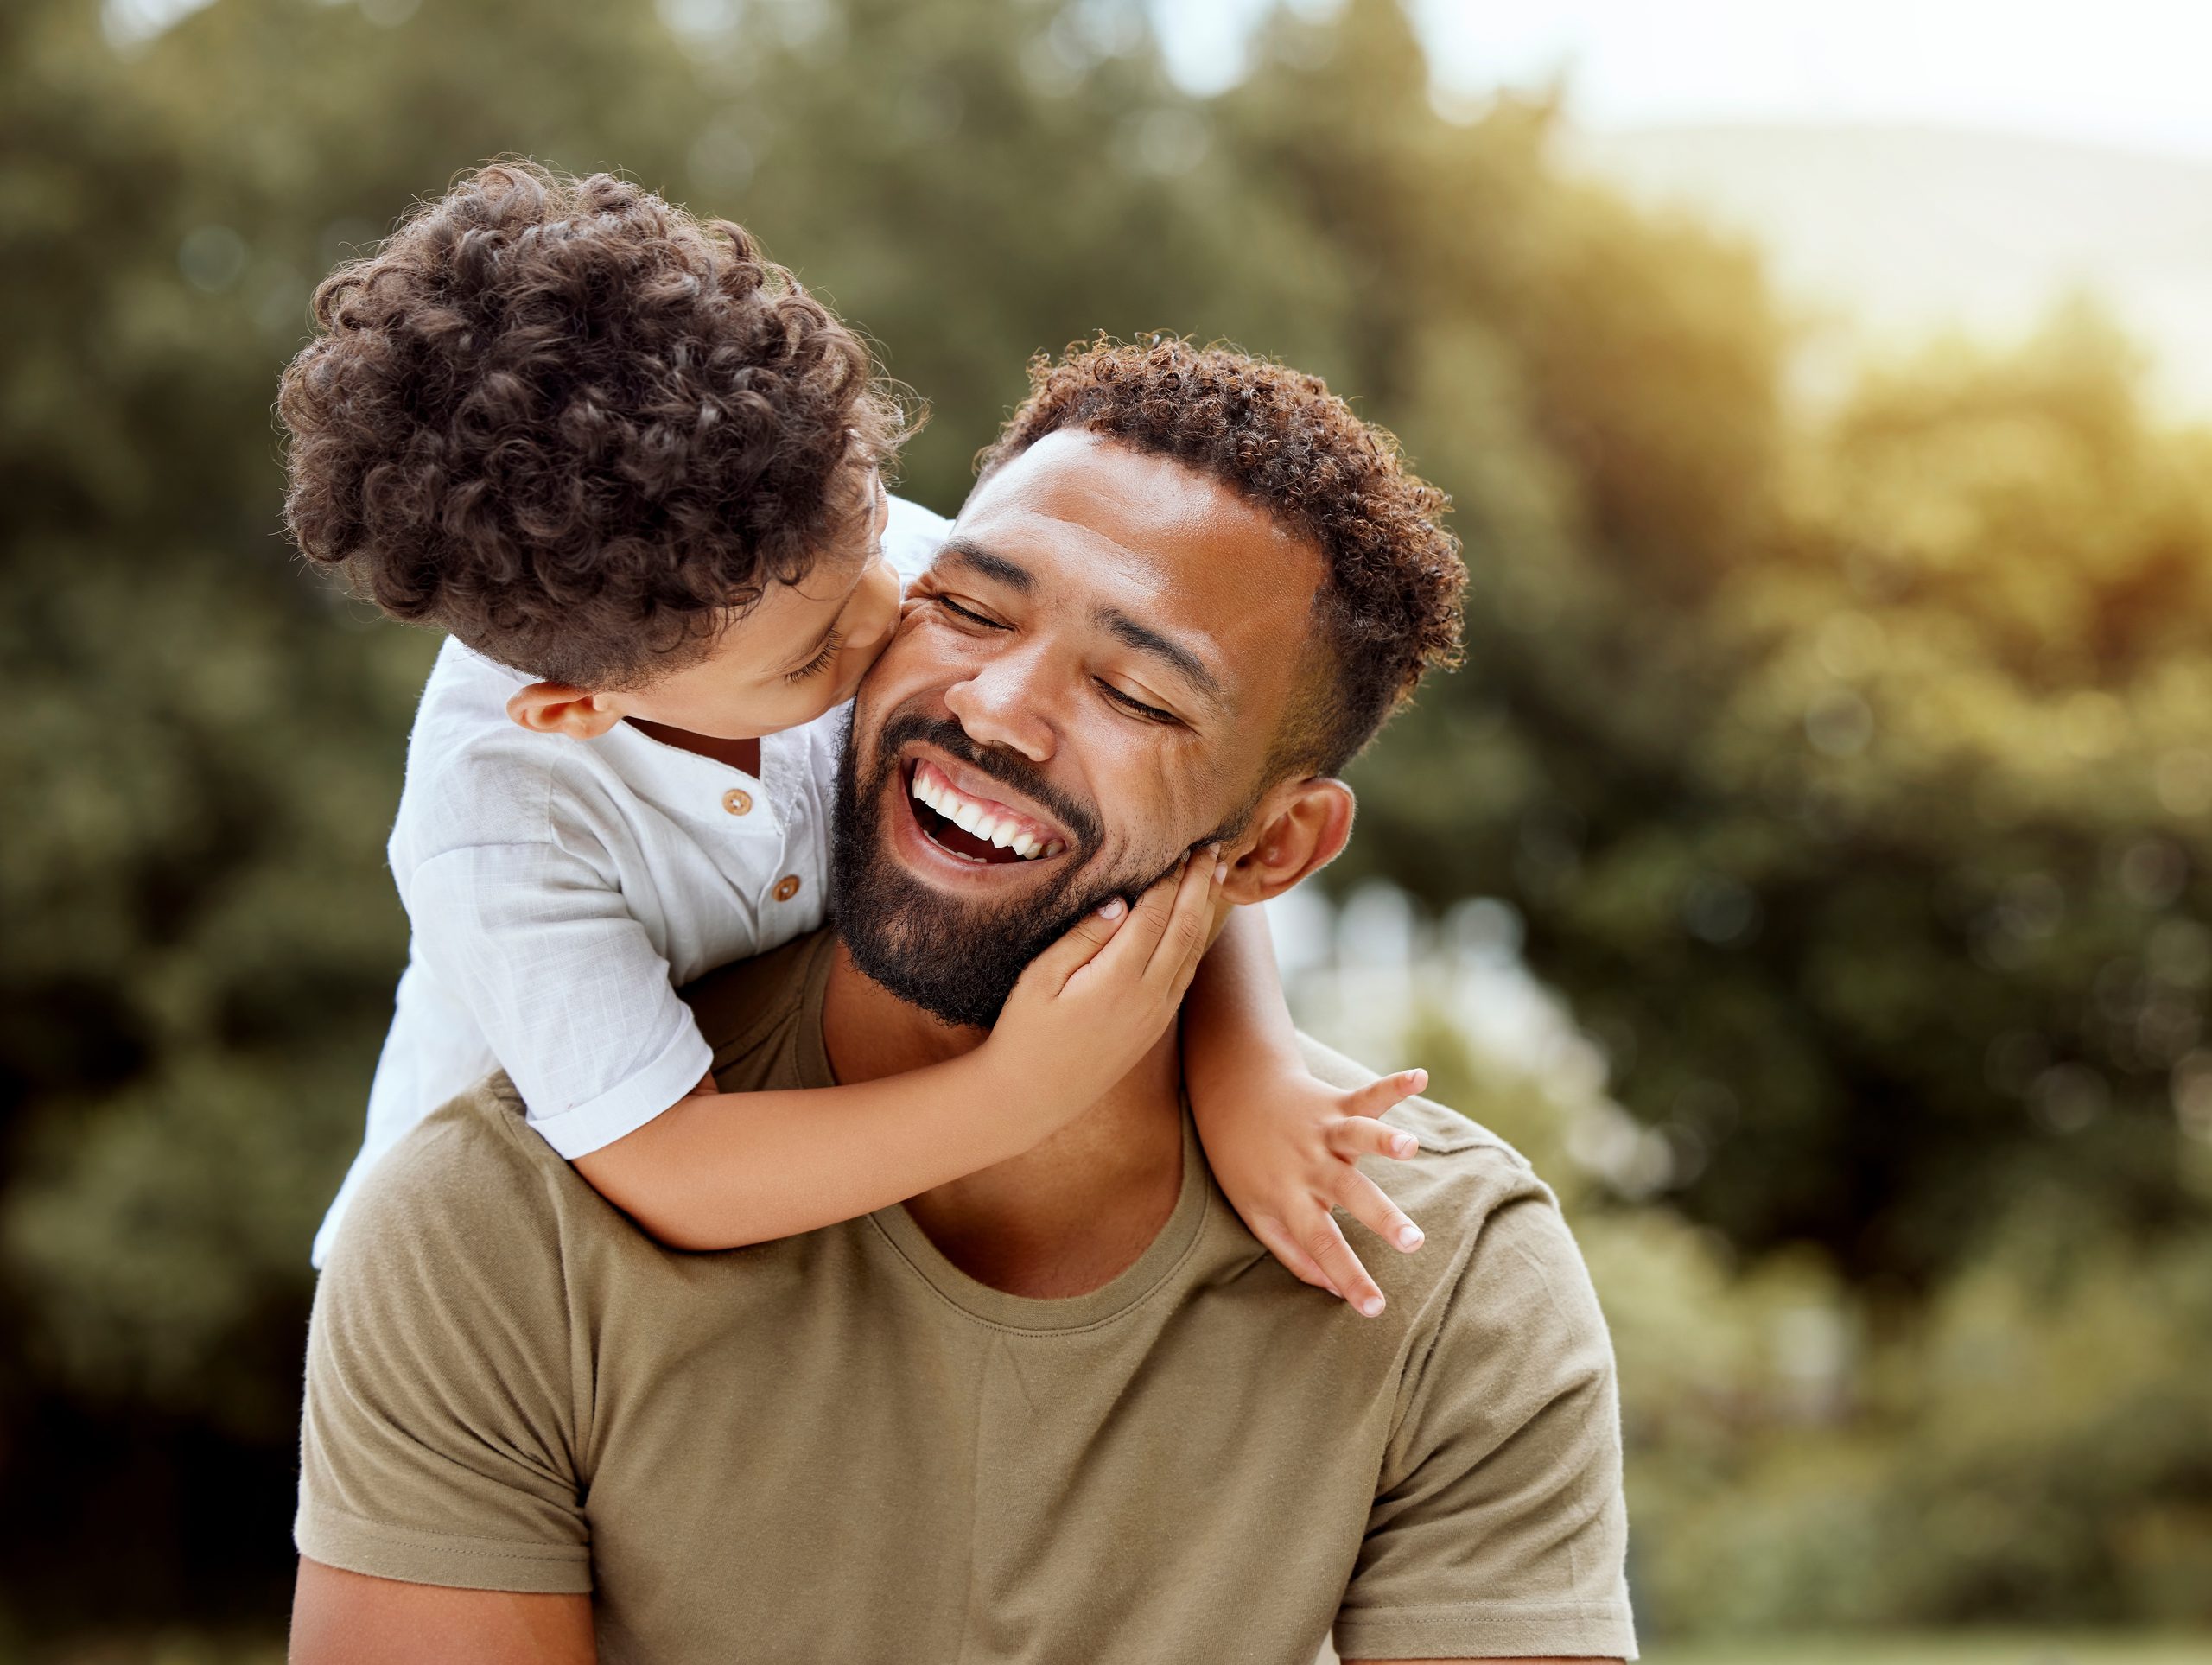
197 939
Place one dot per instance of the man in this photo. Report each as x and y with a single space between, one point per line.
1066 1408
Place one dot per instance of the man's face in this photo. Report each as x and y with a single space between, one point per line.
1085 687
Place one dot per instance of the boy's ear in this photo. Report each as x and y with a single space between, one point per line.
557 708
1299 829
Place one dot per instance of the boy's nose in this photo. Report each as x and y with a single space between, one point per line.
879 614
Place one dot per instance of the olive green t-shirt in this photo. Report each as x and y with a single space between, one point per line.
840 1447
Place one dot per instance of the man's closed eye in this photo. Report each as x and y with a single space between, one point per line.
968 613
1135 707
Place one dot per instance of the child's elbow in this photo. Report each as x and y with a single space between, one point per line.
655 1207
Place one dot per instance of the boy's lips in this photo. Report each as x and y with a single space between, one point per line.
966 815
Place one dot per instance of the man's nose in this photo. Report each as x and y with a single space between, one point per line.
1000 704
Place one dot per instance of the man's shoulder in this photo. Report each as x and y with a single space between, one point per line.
1499 1254
762 1016
474 1172
1460 1162
470 1176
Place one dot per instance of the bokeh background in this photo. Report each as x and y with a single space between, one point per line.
1809 866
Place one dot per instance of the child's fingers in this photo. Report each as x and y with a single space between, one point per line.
1367 1203
1379 1095
1325 1241
1183 939
1144 927
1135 938
1078 946
1363 1135
1279 1242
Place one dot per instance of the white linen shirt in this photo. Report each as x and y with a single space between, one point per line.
560 891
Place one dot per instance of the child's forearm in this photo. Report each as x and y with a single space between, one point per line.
722 1170
1236 1025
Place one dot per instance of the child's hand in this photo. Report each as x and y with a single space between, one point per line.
1283 1152
1091 1005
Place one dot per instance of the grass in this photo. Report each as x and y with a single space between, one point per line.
1971 1647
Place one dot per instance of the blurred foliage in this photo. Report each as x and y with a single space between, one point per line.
1851 768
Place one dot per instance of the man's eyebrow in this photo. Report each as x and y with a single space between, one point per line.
1012 574
1169 651
1132 632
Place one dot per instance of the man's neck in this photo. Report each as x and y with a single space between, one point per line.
1063 1218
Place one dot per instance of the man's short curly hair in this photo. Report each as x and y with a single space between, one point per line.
574 426
1389 610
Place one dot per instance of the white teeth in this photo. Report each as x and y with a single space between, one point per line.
1003 831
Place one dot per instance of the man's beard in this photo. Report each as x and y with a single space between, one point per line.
958 962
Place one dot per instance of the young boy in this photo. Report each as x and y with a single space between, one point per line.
635 471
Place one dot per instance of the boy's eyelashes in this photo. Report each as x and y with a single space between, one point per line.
820 662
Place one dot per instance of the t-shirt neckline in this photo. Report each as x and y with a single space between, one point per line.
1117 1295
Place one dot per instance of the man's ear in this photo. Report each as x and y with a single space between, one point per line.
557 708
1299 828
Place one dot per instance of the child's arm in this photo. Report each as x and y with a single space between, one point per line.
1281 1143
721 1170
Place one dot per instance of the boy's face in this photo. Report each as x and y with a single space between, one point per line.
799 652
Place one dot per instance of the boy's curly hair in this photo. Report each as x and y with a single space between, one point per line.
1389 611
574 426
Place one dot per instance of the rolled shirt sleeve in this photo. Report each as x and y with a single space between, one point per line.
567 986
1499 1529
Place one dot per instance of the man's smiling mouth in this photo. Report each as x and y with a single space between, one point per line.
980 831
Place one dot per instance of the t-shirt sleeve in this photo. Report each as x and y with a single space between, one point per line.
437 1441
572 996
1499 1530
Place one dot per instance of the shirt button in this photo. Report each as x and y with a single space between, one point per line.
787 887
737 802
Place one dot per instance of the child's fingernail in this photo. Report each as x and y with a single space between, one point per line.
1419 1077
1403 1145
1409 1237
1372 1305
1220 871
1112 908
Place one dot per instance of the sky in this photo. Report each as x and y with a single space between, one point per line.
2129 73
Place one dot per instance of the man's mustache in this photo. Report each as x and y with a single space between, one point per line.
1008 768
